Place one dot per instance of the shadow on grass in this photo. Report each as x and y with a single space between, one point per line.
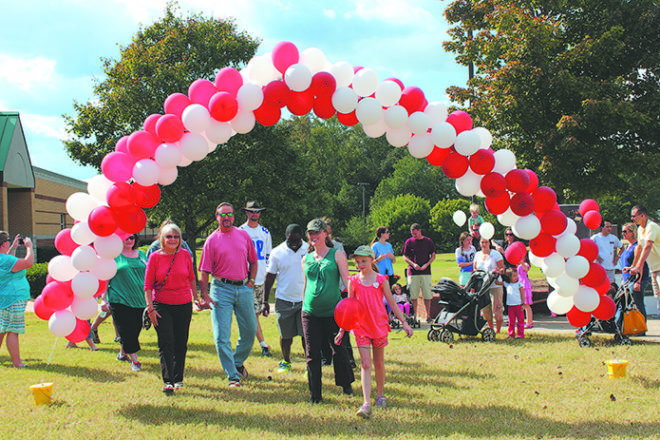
93 374
652 384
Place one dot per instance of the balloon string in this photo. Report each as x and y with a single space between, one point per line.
52 351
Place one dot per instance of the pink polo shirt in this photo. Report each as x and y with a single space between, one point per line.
228 254
177 284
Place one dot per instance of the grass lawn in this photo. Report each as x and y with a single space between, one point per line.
542 387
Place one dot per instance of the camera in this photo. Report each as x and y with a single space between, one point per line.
20 241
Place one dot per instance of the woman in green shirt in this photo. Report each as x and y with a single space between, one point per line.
125 294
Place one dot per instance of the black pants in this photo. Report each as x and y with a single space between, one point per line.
128 321
173 328
320 331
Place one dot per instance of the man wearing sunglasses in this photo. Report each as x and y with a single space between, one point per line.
229 257
648 250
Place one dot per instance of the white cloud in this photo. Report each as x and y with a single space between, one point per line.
43 125
330 13
26 73
399 12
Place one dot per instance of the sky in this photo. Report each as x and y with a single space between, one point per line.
51 50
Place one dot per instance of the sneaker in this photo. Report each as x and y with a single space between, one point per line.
234 383
284 367
136 366
168 389
529 325
118 340
178 385
122 357
265 351
380 402
95 336
364 411
242 371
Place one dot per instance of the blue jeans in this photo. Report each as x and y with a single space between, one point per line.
239 300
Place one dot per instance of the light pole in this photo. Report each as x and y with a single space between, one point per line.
364 185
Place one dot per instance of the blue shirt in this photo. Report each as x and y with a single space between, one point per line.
627 258
13 285
385 265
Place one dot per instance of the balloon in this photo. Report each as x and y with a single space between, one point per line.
443 134
420 145
121 195
146 196
80 332
592 219
459 218
527 227
40 309
122 145
588 249
604 287
544 198
571 227
196 118
536 261
507 218
468 183
395 116
142 144
494 185
131 219
243 122
284 54
146 171
301 103
487 230
553 265
108 247
567 245
566 285
496 204
517 180
412 99
200 91
348 313
595 277
577 317
104 269
84 308
249 96
460 120
586 299
388 93
347 119
81 234
454 165
117 167
515 253
83 258
505 161
543 245
57 295
194 147
167 176
437 112
217 133
375 130
60 268
482 161
559 305
343 73
97 186
588 205
437 156
276 94
298 77
102 221
167 155
606 308
261 69
365 82
398 137
267 115
533 181
103 285
176 103
419 123
79 205
369 111
169 128
577 267
313 58
228 80
522 204
467 142
62 322
553 222
84 284
223 106
63 242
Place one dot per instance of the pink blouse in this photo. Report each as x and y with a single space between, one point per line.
374 323
177 286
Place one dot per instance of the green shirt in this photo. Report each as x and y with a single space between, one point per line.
14 286
127 286
322 289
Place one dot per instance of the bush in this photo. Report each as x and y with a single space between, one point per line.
36 276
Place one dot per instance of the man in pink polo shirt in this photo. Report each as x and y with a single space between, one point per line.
230 258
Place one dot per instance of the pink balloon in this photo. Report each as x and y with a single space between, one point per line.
592 219
63 242
223 106
284 55
57 295
122 145
348 313
169 128
80 332
228 80
460 120
482 162
588 205
201 90
41 310
142 144
117 167
150 123
176 103
102 221
412 99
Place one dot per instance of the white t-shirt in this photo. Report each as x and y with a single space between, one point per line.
263 244
606 247
651 233
287 266
488 262
513 294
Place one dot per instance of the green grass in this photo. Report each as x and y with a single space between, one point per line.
542 387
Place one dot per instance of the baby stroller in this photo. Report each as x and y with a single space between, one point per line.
411 318
462 306
624 302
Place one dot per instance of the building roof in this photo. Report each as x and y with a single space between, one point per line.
15 163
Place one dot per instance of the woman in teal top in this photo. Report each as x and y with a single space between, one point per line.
323 268
14 293
125 294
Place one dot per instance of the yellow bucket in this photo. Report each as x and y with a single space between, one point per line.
42 393
616 368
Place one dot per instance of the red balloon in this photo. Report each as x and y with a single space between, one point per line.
323 84
276 94
103 286
300 103
515 253
544 198
201 90
578 318
223 106
483 161
142 144
150 123
122 145
592 219
460 120
595 277
176 103
348 313
102 221
455 165
543 245
588 205
437 156
146 196
497 204
169 128
412 99
63 242
517 180
120 195
553 222
80 332
347 119
267 115
533 181
588 249
494 185
41 310
323 107
522 204
57 295
131 219
606 308
604 288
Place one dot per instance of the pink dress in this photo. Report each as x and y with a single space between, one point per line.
526 284
374 323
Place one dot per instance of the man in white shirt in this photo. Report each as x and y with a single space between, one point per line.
263 244
285 266
609 249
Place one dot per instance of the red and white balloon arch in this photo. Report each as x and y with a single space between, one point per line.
194 124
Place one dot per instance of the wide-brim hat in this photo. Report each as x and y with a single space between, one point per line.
253 207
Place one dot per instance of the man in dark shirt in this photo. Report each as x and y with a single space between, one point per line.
419 253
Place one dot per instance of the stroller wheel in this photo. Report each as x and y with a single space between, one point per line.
446 336
432 335
625 340
488 335
584 341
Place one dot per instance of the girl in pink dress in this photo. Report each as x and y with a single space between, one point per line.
523 268
369 287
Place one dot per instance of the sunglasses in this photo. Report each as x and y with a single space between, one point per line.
508 234
130 237
169 237
626 232
225 214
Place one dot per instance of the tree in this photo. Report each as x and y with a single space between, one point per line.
443 223
399 213
573 87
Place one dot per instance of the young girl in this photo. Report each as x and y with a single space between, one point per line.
515 299
401 298
368 287
522 269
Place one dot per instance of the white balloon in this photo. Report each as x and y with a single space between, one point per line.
388 93
61 269
249 97
84 308
243 122
167 155
505 161
298 77
218 132
558 304
344 100
485 137
487 230
84 284
443 134
365 82
420 145
567 245
436 111
83 258
368 111
167 176
507 218
565 285
571 228
467 143
261 69
104 269
527 227
419 122
459 218
398 137
314 59
62 323
375 130
194 146
343 73
469 183
98 186
145 171
80 204
586 299
196 118
184 162
81 234
535 260
553 265
396 116
108 247
577 267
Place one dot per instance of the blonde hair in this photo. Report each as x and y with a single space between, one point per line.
474 207
633 229
163 232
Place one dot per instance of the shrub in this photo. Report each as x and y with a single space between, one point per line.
36 276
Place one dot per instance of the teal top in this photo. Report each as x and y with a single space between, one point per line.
127 286
322 289
13 285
